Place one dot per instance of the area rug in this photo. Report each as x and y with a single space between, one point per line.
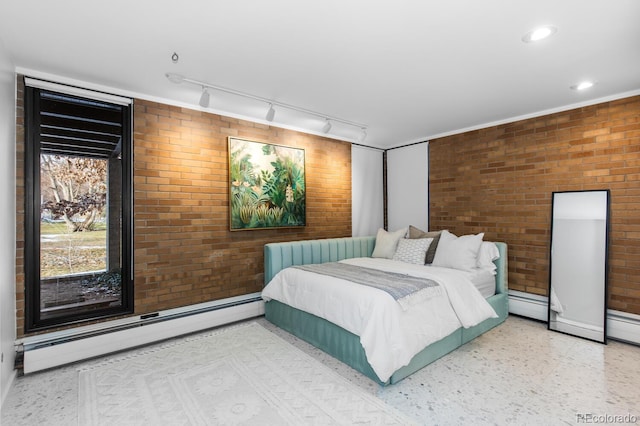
241 375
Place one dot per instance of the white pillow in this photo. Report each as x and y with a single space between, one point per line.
387 242
458 252
486 255
412 250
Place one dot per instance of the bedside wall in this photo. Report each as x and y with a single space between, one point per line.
499 181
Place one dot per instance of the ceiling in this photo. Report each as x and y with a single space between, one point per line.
405 70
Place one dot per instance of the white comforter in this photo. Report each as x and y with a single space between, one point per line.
389 335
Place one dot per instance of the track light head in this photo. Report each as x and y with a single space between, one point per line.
326 127
271 113
175 78
204 99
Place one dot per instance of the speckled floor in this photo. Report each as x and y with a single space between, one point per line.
518 373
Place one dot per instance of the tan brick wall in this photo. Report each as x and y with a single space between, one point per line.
184 252
499 181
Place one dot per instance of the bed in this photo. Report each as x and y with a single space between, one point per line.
346 345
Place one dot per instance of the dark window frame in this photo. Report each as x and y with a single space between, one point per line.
33 320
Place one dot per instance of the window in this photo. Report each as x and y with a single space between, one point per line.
78 207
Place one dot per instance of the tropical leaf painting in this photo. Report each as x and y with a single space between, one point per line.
267 185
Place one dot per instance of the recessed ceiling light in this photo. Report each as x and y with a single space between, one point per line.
583 85
539 33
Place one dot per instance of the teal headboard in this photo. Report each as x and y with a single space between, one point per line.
502 269
278 256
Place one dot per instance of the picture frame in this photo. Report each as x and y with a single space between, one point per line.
267 185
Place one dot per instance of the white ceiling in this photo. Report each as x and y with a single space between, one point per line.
408 70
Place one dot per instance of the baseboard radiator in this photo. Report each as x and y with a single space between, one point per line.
620 325
55 349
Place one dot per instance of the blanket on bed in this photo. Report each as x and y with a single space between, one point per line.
405 289
390 335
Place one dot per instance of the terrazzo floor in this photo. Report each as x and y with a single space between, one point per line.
518 373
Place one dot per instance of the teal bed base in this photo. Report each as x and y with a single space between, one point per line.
339 342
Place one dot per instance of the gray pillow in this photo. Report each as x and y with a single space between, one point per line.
418 233
412 250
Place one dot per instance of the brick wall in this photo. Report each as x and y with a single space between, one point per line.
499 181
184 251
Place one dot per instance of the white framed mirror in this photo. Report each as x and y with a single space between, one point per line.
578 266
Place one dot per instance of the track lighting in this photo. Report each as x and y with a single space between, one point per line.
271 113
175 78
204 99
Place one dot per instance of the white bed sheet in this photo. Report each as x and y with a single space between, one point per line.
484 281
389 335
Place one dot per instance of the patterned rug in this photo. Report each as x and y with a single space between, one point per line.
242 375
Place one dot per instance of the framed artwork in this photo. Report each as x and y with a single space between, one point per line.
266 185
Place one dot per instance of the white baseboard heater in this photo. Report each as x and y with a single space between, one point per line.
620 325
64 347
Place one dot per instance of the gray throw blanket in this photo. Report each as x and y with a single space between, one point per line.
400 286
